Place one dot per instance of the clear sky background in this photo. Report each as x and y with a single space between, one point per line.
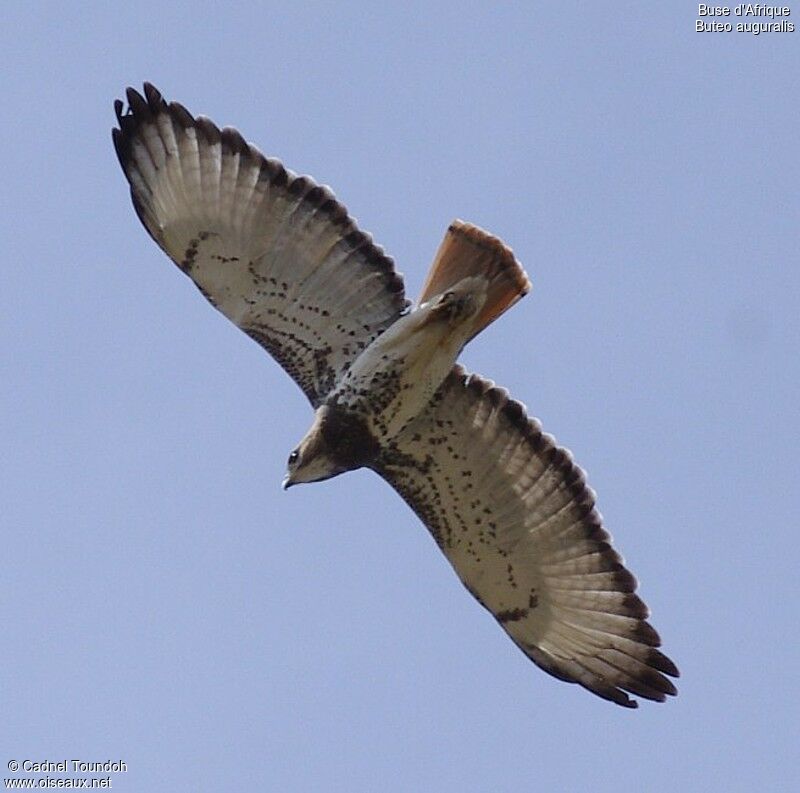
166 604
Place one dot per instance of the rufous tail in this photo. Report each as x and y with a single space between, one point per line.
468 251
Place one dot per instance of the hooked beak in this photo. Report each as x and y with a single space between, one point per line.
287 482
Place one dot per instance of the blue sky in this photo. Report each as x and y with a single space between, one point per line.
166 604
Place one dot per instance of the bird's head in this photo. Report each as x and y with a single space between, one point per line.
313 459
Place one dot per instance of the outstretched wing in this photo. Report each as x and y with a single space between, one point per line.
274 252
514 516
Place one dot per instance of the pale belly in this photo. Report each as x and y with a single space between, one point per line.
395 377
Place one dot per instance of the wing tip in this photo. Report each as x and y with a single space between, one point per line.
650 683
141 109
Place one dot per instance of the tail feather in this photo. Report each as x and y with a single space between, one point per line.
468 251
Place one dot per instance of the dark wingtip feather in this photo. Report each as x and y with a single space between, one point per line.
154 98
279 176
635 606
658 660
233 140
129 121
645 633
300 186
180 114
207 128
137 104
616 695
119 146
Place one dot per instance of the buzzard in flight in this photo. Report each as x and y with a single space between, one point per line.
280 257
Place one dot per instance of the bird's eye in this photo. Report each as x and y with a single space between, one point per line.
294 457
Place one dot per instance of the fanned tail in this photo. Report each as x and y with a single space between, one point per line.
470 252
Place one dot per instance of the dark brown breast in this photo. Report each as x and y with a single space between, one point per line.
348 437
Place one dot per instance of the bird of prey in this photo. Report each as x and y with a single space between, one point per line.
281 258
